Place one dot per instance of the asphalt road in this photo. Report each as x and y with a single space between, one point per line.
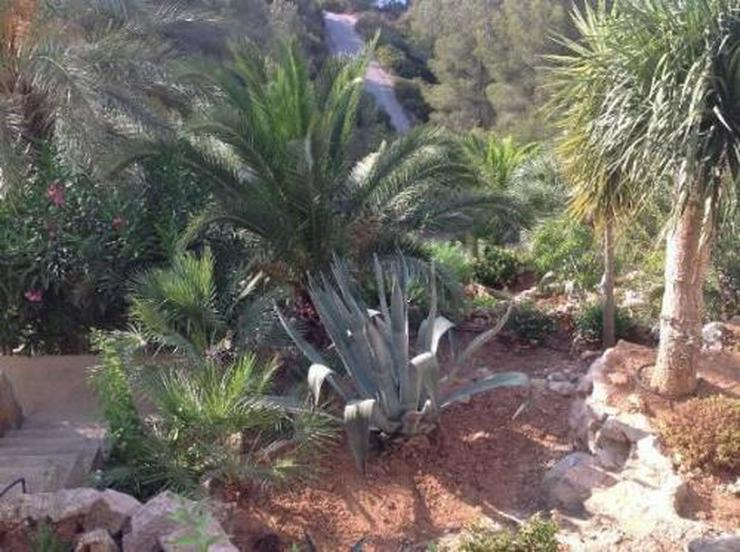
345 41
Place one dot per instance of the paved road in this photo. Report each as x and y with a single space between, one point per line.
345 41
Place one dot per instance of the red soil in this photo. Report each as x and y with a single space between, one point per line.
478 462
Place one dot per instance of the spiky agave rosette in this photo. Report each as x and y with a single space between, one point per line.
388 388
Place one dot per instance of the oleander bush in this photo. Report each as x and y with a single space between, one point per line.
705 433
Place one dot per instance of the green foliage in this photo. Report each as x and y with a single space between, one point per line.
409 93
568 250
214 416
68 245
534 535
496 267
44 540
77 92
452 257
484 56
275 153
195 520
589 323
529 323
390 385
705 432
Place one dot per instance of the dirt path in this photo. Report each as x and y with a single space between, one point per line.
345 41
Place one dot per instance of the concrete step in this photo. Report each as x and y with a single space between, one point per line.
50 456
42 472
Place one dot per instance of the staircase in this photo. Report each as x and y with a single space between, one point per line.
50 434
50 456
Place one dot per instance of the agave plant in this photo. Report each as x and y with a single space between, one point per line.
388 387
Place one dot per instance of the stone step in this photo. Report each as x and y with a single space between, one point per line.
42 472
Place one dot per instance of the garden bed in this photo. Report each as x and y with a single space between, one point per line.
479 462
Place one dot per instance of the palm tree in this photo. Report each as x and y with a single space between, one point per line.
500 164
660 81
273 146
74 73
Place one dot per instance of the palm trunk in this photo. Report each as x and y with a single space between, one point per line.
608 337
687 257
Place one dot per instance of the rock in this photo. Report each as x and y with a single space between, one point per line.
633 298
111 511
717 336
98 540
153 527
589 355
563 388
570 482
67 505
11 415
88 508
721 544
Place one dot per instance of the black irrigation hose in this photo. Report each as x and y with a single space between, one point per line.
20 481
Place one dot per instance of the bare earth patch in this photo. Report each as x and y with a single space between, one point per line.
479 462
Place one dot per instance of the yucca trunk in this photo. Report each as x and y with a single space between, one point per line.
609 309
687 256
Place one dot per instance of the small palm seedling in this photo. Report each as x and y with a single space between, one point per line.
387 388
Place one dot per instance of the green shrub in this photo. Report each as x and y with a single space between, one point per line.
530 323
409 93
567 249
706 433
589 323
497 267
535 535
452 257
214 415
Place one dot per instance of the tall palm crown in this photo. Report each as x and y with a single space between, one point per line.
653 89
74 71
274 146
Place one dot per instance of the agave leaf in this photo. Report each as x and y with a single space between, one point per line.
357 418
437 331
317 373
425 372
306 348
485 337
495 381
380 281
400 343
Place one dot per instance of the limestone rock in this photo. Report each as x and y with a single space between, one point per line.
572 480
153 527
59 507
727 543
98 540
562 388
11 415
111 511
717 336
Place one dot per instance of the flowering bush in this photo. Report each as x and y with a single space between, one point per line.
68 246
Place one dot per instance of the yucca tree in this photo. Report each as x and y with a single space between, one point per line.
273 146
661 83
73 73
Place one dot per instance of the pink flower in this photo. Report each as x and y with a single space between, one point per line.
34 295
55 193
118 223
